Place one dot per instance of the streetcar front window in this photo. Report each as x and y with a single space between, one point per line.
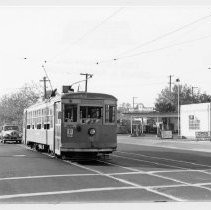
70 113
90 114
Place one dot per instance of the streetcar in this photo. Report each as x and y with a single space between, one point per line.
72 123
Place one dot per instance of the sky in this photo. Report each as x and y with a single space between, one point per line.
130 50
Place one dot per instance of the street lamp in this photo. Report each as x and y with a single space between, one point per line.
178 81
134 102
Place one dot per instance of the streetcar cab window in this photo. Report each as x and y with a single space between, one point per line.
110 113
70 113
90 114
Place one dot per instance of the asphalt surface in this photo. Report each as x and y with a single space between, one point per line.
141 170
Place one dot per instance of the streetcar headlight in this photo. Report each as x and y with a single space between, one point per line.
91 131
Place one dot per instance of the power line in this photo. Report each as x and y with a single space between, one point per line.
166 34
154 50
163 48
89 32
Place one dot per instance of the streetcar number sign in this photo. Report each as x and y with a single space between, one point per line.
69 132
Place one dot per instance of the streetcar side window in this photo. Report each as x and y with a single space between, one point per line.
38 126
70 113
46 126
110 113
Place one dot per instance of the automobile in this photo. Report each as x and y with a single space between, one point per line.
10 133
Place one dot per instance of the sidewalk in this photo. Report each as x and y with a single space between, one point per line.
175 143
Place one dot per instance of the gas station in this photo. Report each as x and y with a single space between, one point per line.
162 123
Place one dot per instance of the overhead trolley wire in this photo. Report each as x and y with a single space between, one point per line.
166 47
88 32
165 35
47 76
154 50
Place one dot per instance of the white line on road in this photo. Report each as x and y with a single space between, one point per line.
128 168
128 182
170 171
65 192
18 155
148 172
134 185
46 176
175 180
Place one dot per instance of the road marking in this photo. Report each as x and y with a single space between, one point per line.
128 168
124 181
46 176
186 169
165 177
134 185
145 172
180 161
170 171
128 182
18 155
65 192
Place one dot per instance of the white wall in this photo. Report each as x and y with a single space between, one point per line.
200 112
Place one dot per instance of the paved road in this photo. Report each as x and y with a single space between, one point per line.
141 170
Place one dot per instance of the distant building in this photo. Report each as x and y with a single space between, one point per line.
141 108
152 122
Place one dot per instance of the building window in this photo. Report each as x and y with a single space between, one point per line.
194 123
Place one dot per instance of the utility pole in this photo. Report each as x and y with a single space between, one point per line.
44 81
178 81
193 89
170 76
87 77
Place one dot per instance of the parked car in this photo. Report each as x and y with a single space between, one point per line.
10 133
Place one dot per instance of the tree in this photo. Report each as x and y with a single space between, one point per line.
168 102
13 105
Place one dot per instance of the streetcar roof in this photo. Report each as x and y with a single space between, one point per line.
77 95
88 95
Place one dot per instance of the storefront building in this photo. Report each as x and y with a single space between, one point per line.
195 120
152 122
